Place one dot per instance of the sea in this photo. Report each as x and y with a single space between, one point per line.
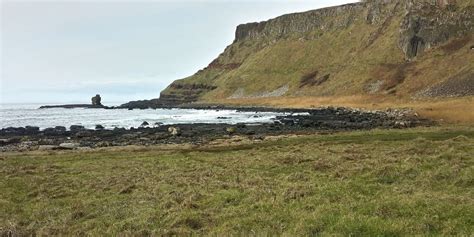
21 115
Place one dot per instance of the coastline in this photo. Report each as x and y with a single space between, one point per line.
295 122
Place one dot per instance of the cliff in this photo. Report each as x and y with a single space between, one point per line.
397 48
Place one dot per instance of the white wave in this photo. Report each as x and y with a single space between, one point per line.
29 115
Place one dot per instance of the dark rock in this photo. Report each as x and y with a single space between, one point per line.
73 106
119 130
241 125
76 128
425 26
144 124
307 123
250 132
49 131
13 131
10 141
96 100
56 131
60 128
95 103
99 127
31 130
84 133
288 122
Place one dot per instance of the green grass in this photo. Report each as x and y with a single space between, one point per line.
381 182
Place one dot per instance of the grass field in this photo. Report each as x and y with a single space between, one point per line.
381 182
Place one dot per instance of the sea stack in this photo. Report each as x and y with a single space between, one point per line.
96 104
96 100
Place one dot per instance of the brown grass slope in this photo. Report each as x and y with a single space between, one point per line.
395 49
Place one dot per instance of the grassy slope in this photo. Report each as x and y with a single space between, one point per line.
398 182
355 58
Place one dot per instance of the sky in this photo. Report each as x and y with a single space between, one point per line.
66 51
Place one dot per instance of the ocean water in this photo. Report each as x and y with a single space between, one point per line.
20 115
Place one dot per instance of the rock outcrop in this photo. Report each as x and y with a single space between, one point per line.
326 19
428 25
96 104
96 100
184 93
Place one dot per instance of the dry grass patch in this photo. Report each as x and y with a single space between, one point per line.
447 110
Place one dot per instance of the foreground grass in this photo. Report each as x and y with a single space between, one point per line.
397 182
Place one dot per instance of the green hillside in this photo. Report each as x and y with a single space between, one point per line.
399 48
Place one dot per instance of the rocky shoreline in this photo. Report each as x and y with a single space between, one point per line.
301 121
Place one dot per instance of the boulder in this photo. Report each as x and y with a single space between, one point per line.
241 125
60 128
56 131
13 131
175 131
231 130
83 133
99 127
69 145
9 141
31 129
307 123
47 147
76 128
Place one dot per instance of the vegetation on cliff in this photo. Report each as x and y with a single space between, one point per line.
397 49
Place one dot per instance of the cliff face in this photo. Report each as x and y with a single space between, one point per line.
427 25
299 23
396 48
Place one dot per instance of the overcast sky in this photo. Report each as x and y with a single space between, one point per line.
67 51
